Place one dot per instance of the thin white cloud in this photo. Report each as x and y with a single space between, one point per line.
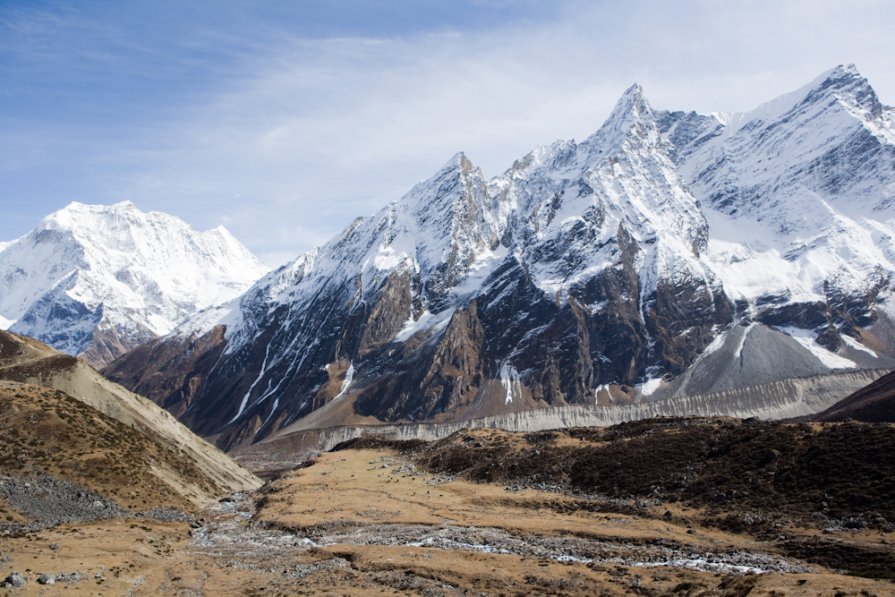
305 134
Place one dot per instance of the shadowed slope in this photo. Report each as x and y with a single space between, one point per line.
873 404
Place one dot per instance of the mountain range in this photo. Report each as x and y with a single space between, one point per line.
97 281
668 254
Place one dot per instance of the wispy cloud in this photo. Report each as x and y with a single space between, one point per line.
294 133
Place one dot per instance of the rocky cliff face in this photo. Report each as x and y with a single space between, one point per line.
653 259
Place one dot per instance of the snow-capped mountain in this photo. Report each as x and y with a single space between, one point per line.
800 198
669 253
805 184
97 281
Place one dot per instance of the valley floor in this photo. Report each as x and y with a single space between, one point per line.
370 521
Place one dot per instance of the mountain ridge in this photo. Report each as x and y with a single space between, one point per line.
587 272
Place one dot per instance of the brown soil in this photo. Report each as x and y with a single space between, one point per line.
375 501
59 416
47 431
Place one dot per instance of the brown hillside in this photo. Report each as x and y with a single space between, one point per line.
172 456
874 403
816 474
47 431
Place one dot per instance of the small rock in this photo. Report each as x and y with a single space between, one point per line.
46 579
54 546
14 580
69 577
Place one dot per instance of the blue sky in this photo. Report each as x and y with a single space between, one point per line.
285 120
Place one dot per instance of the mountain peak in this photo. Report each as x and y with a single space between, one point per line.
458 158
632 103
838 78
632 115
458 162
843 86
115 266
840 72
126 204
635 90
848 86
79 207
845 69
456 173
78 215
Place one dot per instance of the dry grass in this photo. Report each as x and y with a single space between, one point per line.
44 430
842 471
352 489
360 487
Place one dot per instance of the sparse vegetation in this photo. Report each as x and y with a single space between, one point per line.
50 432
815 473
773 481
